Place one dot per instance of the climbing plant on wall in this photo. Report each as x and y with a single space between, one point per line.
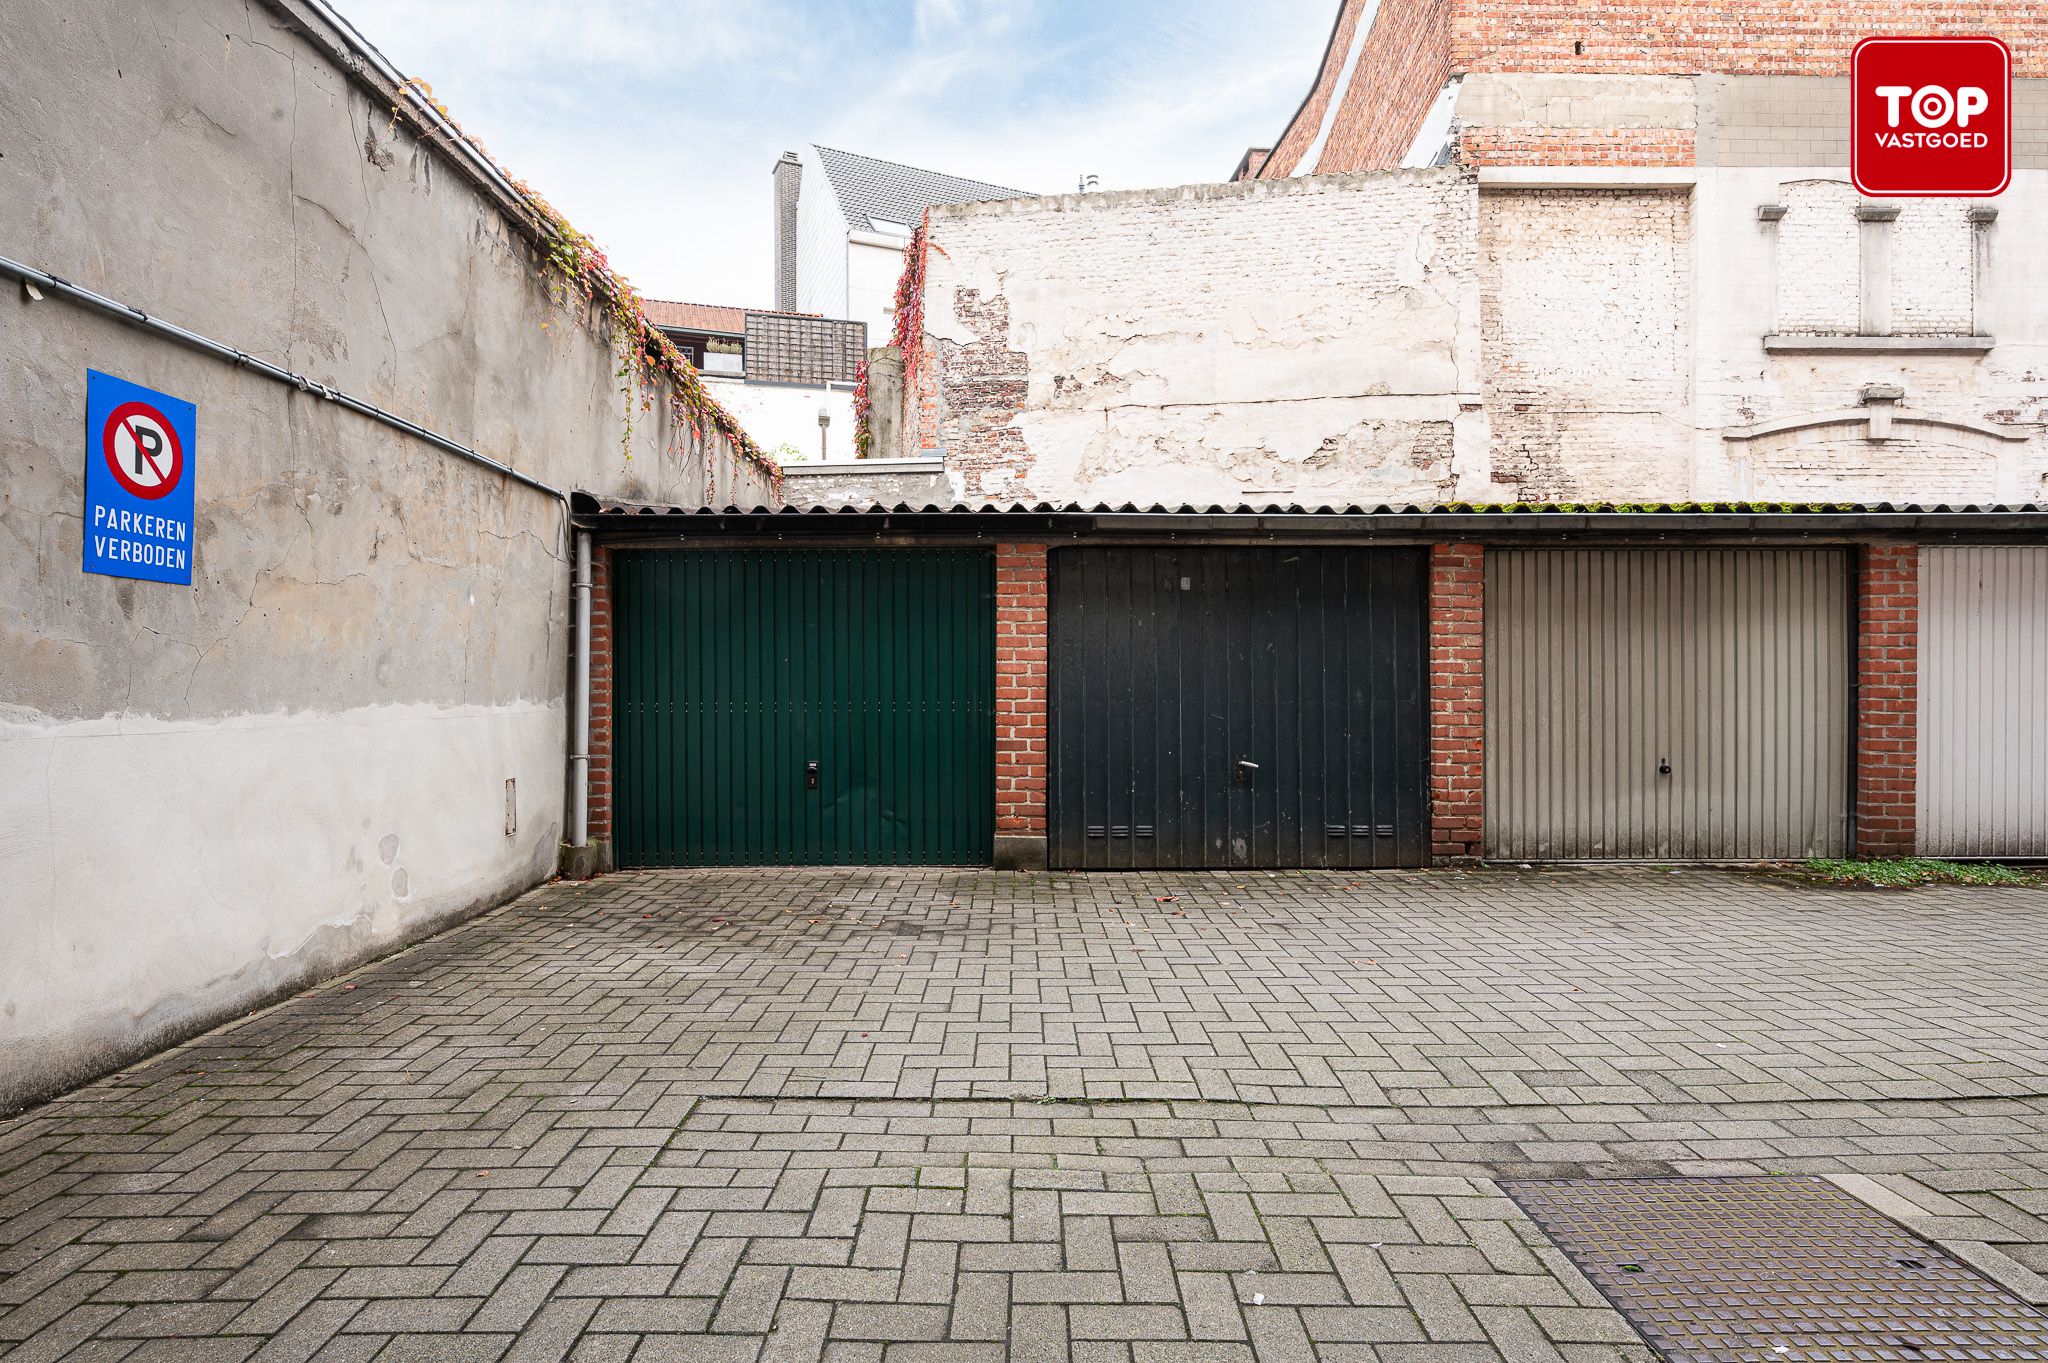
648 360
907 334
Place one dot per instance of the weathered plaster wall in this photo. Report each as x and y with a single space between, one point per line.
1573 328
215 793
1293 340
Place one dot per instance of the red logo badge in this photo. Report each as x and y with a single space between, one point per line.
1931 117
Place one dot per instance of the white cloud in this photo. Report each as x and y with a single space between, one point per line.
653 126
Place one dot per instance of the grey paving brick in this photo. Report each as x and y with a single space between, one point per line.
558 1144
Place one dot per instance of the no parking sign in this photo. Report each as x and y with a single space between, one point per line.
139 448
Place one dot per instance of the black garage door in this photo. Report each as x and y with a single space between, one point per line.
1225 707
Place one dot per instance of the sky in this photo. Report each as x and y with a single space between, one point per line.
653 124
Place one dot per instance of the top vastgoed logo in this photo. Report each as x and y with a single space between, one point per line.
1931 117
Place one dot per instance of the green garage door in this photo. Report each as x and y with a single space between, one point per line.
804 707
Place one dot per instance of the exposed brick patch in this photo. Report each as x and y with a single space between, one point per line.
1457 701
600 694
1887 694
1533 146
1020 690
982 384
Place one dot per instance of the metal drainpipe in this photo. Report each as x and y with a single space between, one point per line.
579 741
136 317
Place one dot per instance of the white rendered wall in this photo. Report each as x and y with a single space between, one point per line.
776 414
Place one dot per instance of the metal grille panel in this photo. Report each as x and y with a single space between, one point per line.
1738 1270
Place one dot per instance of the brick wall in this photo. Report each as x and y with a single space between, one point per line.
1300 133
1020 691
1525 146
600 694
1457 701
1887 692
1736 37
1408 54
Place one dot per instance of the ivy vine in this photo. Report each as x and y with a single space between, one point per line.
574 266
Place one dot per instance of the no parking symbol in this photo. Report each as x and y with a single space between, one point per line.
138 481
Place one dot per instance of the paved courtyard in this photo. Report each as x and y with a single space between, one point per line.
954 1115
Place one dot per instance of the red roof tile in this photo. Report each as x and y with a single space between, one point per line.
696 316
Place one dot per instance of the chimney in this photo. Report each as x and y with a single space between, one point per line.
789 174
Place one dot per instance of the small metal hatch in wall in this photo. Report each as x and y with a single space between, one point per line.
1735 1270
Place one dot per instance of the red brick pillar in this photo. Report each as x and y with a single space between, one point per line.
1887 700
1020 707
1457 702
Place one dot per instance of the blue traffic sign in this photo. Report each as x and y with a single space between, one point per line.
139 450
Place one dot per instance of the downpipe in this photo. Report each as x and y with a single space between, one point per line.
579 736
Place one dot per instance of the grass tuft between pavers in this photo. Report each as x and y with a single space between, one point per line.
1905 872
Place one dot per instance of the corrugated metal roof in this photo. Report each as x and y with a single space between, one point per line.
870 189
588 504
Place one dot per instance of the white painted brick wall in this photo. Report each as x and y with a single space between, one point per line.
1820 278
1931 267
1585 311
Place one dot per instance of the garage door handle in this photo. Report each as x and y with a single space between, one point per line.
1245 768
810 776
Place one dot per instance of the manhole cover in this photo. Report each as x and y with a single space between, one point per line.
1775 1270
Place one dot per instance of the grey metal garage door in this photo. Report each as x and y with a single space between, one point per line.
1984 701
1222 707
1658 704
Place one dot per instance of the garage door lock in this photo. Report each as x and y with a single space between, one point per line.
810 776
1245 768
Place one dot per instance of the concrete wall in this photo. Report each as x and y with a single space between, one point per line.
210 795
1281 340
868 482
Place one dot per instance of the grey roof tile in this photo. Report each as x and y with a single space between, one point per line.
869 188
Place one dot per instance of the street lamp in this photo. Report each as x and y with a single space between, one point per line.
824 425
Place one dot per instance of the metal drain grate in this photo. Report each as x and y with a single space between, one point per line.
1775 1270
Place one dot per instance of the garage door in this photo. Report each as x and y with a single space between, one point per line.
1667 704
1224 707
804 707
1984 702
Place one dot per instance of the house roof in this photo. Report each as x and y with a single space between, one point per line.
869 189
695 316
